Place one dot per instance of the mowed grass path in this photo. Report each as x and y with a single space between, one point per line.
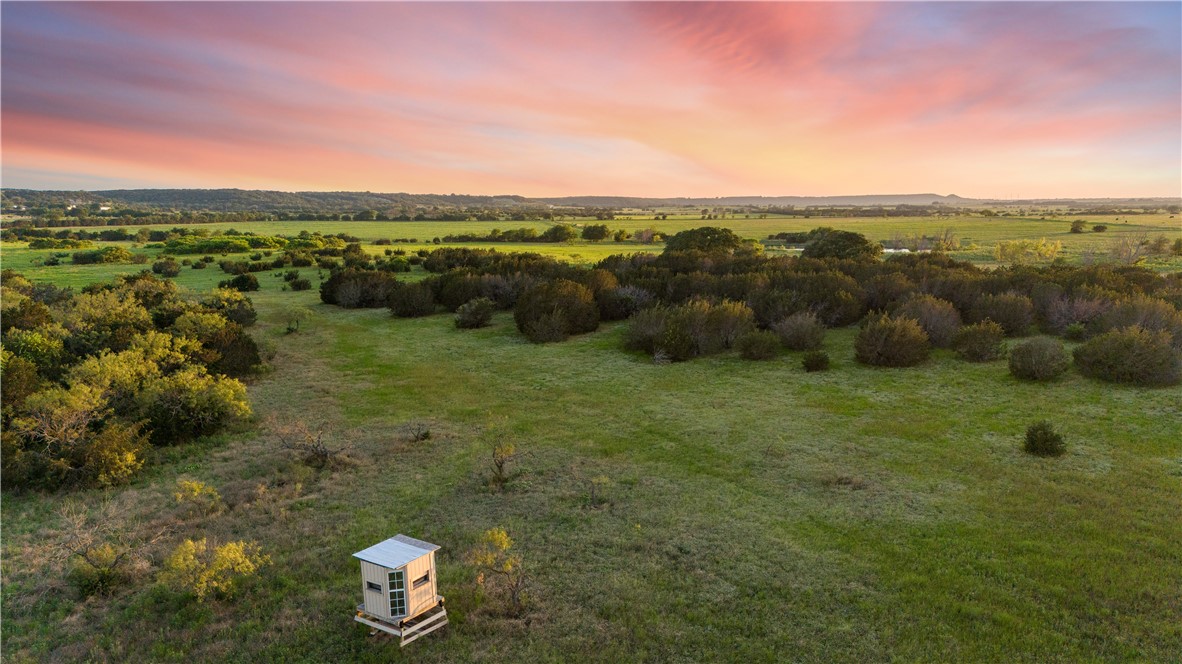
756 512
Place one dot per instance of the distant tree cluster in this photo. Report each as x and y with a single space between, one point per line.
93 379
710 288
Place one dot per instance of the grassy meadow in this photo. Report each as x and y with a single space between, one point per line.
978 235
754 512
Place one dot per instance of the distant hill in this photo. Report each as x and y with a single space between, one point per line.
774 201
253 200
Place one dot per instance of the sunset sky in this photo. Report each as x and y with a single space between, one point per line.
987 100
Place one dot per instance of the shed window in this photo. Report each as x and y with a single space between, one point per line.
421 581
397 593
370 585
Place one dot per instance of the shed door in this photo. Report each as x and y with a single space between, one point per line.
397 593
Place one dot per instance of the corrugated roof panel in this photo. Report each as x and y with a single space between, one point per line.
396 551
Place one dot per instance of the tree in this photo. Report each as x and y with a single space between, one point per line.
706 238
830 243
1078 225
559 233
595 232
492 557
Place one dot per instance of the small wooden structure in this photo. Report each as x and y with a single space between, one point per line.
398 587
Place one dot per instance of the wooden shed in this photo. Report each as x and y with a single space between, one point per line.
398 588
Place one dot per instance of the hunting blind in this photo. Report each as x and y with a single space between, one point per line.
398 588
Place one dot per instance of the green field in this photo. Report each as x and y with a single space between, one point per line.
978 235
755 512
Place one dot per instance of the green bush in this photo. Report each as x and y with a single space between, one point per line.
556 309
938 318
815 360
301 284
1042 440
980 342
191 403
411 300
242 282
475 313
800 331
1014 312
1075 332
830 243
1039 359
166 268
1131 355
758 345
891 342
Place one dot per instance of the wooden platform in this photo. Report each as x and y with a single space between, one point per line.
409 629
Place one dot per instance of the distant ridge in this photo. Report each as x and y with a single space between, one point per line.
248 200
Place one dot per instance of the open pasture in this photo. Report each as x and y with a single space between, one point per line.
752 511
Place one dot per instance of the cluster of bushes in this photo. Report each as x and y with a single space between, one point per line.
93 380
908 303
107 255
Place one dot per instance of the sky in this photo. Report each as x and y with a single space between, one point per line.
987 100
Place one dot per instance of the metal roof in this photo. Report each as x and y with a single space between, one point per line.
396 551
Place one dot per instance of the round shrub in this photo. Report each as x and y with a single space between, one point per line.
301 284
1038 359
411 300
242 282
939 318
561 304
645 329
1012 311
891 342
623 302
1075 332
800 331
980 342
1130 355
199 265
815 360
166 268
475 313
758 345
1042 440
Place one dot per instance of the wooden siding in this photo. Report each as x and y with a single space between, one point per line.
423 598
376 603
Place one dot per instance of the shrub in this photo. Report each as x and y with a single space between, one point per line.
166 268
1038 359
706 238
800 331
198 497
980 342
195 567
232 305
623 302
938 318
815 360
830 243
1146 313
1099 228
411 300
645 329
97 570
1075 332
242 282
191 403
291 275
758 345
475 313
199 265
301 284
1130 355
1042 440
1014 312
891 342
556 309
356 289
